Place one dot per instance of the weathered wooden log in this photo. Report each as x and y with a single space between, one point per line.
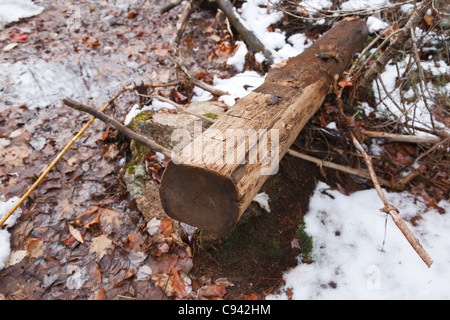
213 179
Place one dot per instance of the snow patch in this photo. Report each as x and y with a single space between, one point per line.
351 5
263 200
156 105
238 60
360 253
374 24
13 10
238 86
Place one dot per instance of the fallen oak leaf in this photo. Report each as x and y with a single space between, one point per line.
178 284
34 247
91 222
100 295
82 217
212 291
100 245
76 234
165 226
15 257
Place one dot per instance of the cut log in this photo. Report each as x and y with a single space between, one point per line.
212 180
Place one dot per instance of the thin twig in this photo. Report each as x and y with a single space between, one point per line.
395 45
339 167
174 45
430 150
392 211
402 137
117 125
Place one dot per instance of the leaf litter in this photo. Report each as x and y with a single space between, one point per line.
80 236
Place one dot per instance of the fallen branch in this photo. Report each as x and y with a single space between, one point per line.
174 45
117 125
254 44
404 34
402 137
391 210
430 150
170 6
339 167
58 157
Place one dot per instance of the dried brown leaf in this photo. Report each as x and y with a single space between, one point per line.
165 226
178 284
252 296
76 234
100 245
100 295
34 247
212 291
109 219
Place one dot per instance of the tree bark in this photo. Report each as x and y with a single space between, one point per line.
213 179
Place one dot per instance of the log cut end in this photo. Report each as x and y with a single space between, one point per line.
199 197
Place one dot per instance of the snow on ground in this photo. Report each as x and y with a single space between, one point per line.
394 102
156 105
352 5
5 247
13 10
258 19
359 254
25 81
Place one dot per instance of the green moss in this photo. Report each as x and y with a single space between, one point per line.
138 150
273 247
305 241
143 116
211 115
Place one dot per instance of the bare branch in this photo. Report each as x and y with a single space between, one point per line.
402 137
115 124
339 167
174 43
392 211
395 45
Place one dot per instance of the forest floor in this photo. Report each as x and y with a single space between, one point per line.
80 234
